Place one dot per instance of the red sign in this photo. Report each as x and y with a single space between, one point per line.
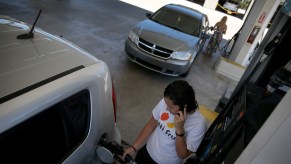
253 34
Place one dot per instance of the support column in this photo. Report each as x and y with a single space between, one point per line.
210 4
252 30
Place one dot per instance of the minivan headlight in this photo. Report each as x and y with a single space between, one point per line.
181 55
133 37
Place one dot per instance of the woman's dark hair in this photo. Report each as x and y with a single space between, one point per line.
181 93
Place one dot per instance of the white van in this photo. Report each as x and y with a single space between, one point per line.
56 100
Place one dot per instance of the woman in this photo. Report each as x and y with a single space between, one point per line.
175 129
221 27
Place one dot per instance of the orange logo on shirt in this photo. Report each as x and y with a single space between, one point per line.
164 116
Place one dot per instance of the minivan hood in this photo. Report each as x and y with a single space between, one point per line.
164 36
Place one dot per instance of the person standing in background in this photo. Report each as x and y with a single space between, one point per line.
221 27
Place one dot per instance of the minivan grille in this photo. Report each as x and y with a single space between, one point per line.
153 49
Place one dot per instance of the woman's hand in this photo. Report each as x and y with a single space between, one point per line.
179 120
127 151
181 146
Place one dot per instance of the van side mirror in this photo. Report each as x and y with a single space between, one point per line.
148 15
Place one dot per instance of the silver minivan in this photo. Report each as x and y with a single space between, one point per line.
56 100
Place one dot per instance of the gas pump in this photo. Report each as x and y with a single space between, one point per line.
258 110
280 81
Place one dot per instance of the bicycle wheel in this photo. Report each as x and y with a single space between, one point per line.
210 46
216 45
209 50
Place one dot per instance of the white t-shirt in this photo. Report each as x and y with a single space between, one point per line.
161 144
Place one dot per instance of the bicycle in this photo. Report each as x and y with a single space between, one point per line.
214 41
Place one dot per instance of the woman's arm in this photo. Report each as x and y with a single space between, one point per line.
225 29
181 146
143 136
145 133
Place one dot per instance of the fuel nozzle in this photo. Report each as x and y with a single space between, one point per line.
107 150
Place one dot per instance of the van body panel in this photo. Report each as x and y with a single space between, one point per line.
31 59
43 76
